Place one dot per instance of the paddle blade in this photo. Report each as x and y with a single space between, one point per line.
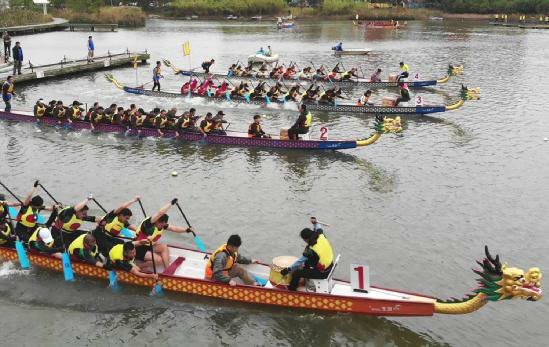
113 282
157 290
262 282
199 243
67 269
23 260
127 233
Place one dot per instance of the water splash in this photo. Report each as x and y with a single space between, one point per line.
10 268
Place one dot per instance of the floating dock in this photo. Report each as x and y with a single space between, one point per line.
521 25
56 25
66 67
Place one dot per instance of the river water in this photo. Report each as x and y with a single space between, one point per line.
417 208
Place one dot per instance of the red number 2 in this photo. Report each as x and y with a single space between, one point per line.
323 133
360 271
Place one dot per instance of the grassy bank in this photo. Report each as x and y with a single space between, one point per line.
495 6
220 8
123 16
16 17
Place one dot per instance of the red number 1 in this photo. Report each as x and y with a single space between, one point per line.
360 271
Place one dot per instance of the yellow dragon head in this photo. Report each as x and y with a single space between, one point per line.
500 282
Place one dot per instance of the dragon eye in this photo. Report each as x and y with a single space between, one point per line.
518 278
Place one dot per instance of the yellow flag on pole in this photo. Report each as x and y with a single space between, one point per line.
186 48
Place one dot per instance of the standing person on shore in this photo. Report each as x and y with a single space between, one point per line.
157 75
7 93
17 55
7 45
91 49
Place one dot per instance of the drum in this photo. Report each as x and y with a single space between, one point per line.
279 263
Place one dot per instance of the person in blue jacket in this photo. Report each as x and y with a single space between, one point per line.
91 49
17 54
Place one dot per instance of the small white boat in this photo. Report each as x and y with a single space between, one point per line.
262 58
352 51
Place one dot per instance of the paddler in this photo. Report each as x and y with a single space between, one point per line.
404 71
302 125
221 89
74 113
317 259
151 229
27 215
404 93
224 264
60 112
43 241
218 124
206 125
161 122
255 130
347 75
122 256
39 108
376 76
207 64
71 218
364 100
7 237
293 93
84 247
259 91
49 109
157 75
111 225
119 116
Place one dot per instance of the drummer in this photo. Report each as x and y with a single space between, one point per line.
224 264
317 260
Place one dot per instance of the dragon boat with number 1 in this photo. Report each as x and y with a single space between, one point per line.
357 82
465 94
382 125
186 274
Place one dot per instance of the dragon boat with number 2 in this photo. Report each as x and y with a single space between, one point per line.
382 125
465 94
186 274
356 82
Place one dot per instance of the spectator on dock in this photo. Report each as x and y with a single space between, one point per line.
7 45
7 93
91 49
17 55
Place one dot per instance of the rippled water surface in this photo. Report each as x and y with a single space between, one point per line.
418 208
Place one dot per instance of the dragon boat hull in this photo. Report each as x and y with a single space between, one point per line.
231 139
185 275
346 108
361 82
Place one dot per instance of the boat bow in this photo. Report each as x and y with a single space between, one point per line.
465 94
382 125
452 71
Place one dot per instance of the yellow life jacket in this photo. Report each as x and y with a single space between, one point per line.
117 254
71 226
36 237
404 68
76 112
186 123
6 233
114 227
142 235
78 243
27 218
323 249
230 261
208 127
40 110
308 120
10 88
61 112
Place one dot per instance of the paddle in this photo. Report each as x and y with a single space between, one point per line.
65 259
197 239
21 254
157 288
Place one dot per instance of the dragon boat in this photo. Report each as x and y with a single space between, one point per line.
352 51
465 94
357 82
382 125
185 274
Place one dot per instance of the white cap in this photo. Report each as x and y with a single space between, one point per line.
45 235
